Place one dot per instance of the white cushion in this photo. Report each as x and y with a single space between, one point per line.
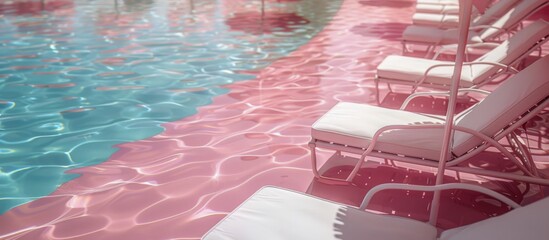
279 214
511 99
510 50
530 222
355 124
412 69
437 20
430 14
434 35
436 8
494 12
454 2
516 14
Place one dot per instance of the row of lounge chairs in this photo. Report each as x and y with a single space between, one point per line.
503 59
359 131
449 19
448 7
415 138
485 29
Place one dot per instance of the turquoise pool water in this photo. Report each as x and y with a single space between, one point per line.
78 77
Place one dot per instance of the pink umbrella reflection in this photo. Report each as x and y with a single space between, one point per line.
265 22
33 7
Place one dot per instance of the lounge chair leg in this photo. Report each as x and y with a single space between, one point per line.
519 148
312 146
317 175
458 176
379 97
510 156
356 169
376 81
428 51
414 88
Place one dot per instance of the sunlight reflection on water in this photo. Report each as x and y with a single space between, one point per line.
78 77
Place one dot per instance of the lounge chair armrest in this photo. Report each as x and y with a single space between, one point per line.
483 45
487 139
507 67
447 186
445 48
484 27
475 133
425 126
443 93
453 47
450 11
474 12
503 66
426 73
500 65
370 147
378 133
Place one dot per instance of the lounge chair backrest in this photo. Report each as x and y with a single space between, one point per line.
512 18
511 50
505 104
494 12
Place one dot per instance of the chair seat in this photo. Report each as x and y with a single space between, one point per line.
438 20
278 214
434 35
453 2
411 69
355 124
436 8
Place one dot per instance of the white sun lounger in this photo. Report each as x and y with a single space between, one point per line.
431 37
280 214
446 20
437 8
437 74
448 7
439 2
352 129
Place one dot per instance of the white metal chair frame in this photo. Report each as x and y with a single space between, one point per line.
502 70
523 160
431 47
447 186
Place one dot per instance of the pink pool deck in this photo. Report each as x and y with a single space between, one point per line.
180 183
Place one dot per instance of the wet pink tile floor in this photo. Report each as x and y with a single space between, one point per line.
178 184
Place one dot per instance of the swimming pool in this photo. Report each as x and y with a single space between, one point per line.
78 77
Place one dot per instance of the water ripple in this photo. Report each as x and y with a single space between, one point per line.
77 77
